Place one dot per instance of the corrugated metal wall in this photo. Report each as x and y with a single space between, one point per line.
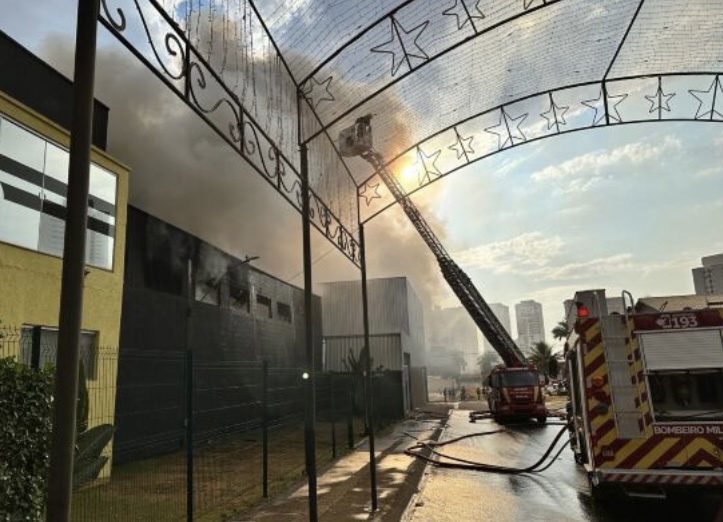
342 307
386 351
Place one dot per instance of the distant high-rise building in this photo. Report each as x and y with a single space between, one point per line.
708 279
502 312
530 325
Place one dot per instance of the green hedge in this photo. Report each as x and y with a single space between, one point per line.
25 422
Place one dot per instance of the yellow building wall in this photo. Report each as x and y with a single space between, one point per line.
30 280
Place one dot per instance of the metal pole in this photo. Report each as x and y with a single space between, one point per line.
190 296
189 435
35 347
310 381
332 406
368 371
60 477
265 425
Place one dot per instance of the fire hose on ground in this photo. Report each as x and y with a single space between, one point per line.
459 463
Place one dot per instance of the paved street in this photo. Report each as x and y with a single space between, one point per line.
558 494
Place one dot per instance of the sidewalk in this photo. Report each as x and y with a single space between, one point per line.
344 489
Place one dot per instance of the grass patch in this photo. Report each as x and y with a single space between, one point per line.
227 478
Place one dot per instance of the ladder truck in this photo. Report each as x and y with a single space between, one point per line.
515 388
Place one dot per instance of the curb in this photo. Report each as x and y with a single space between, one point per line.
409 509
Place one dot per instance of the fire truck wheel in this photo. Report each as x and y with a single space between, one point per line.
599 493
542 419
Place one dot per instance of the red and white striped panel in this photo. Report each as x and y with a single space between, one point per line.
676 479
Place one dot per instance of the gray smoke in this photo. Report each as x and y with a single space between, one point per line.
183 173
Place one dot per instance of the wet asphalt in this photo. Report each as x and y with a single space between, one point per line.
560 494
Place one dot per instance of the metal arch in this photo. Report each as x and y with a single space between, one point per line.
706 111
527 9
191 77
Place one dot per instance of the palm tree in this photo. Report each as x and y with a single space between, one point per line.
541 355
561 331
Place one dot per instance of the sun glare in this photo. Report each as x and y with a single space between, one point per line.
409 173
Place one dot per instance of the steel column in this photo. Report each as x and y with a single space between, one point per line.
60 480
368 371
309 377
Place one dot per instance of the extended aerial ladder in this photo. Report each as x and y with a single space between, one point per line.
357 141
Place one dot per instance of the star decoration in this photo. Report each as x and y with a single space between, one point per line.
460 13
510 129
659 100
425 161
709 98
614 107
314 87
399 44
555 115
463 147
369 193
599 105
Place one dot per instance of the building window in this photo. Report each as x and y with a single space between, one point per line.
283 312
49 348
263 306
33 192
208 292
239 298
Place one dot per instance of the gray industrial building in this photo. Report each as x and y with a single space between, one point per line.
396 327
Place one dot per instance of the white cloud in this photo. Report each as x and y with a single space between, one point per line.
712 172
595 162
574 211
531 249
586 269
580 185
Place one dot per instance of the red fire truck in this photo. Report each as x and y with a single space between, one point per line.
516 392
646 392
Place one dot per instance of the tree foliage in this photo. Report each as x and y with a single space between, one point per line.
25 421
487 361
541 355
561 330
89 444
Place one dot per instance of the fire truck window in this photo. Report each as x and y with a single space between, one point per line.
709 389
657 389
520 379
683 390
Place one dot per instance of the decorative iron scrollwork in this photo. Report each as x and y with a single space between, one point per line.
188 74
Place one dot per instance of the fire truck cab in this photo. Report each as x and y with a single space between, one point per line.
516 392
645 409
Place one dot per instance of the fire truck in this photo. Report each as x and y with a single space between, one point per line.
516 392
515 388
645 382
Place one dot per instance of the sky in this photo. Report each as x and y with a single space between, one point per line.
624 208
